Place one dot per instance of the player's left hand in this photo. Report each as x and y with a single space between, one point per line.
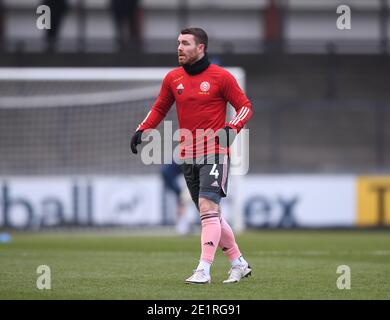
226 136
136 140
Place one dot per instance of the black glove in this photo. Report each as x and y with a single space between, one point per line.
136 140
226 136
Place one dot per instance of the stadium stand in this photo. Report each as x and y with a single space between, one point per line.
233 26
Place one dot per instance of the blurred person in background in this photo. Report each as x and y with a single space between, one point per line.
127 20
1 24
171 174
201 91
272 27
58 9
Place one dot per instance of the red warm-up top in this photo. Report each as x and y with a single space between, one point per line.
201 102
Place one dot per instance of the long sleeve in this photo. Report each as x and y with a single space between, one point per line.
160 107
238 100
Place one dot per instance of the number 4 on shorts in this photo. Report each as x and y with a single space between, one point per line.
214 172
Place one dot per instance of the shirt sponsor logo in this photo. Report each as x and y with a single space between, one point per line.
205 86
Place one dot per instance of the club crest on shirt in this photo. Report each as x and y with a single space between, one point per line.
180 88
205 86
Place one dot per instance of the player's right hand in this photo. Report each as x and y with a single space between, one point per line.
226 136
136 140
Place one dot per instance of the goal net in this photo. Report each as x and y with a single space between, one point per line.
77 121
73 121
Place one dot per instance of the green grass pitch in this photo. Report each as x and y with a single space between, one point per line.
286 265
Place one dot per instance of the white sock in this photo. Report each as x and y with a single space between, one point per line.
205 266
238 262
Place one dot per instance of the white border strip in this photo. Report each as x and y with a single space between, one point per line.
82 74
80 99
98 74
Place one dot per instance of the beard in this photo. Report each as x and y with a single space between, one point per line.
188 59
181 62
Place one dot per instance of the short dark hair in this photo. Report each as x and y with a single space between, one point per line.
199 34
